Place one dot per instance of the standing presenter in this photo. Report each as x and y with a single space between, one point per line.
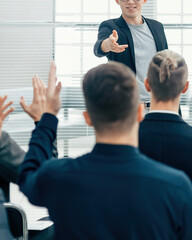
131 39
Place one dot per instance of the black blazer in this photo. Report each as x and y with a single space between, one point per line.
128 56
167 138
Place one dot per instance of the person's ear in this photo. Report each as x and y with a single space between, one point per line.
146 83
87 118
186 87
144 1
140 112
117 1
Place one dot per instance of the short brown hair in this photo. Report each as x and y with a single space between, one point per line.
111 96
167 75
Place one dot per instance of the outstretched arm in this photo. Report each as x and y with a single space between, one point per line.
107 40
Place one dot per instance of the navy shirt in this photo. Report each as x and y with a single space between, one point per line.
113 192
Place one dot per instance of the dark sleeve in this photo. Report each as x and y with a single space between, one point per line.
55 150
11 156
40 150
103 33
165 39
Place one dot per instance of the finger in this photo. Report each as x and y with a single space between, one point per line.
42 84
115 34
7 112
6 106
120 50
120 47
23 104
116 45
58 88
124 46
52 78
117 50
113 39
2 100
40 87
35 88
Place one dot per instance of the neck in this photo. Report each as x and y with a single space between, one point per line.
128 138
133 20
168 106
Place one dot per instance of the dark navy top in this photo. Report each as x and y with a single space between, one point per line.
112 193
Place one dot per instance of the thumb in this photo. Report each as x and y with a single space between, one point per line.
58 88
23 104
115 34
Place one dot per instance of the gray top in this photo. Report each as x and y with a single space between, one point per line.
145 49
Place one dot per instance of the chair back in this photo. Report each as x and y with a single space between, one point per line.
4 225
17 221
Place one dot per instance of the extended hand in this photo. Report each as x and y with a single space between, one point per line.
3 107
110 44
53 102
37 107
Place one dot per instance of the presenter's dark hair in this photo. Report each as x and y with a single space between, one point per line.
167 75
111 96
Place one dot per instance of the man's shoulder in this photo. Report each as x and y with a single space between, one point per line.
4 135
62 164
164 174
109 22
153 22
154 119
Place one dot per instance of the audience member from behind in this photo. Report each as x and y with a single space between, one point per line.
113 192
163 134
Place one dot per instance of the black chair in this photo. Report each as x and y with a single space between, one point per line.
17 221
4 225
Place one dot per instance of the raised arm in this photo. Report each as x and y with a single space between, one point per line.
41 144
36 109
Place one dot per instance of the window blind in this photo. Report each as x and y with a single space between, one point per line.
35 32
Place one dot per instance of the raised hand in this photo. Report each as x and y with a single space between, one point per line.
37 107
53 102
3 111
110 44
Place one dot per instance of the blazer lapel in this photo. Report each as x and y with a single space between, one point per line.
124 27
155 34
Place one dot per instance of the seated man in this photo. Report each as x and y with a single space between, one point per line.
163 134
113 192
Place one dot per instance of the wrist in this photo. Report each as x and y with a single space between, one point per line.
35 118
105 46
51 111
